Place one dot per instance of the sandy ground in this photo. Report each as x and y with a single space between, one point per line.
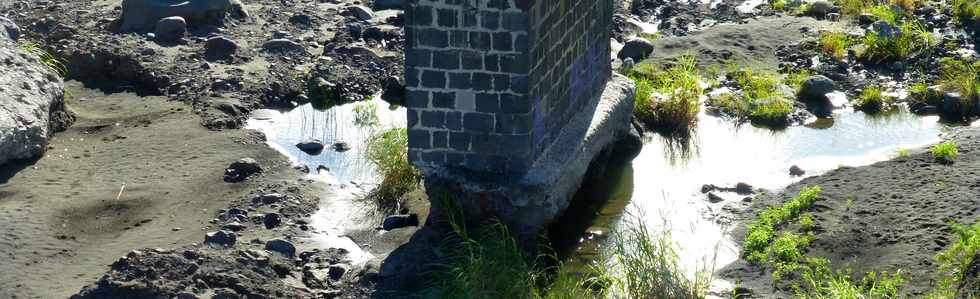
750 44
61 217
898 216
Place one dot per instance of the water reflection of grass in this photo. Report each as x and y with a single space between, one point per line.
680 148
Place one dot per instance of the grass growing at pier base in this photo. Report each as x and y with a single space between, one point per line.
388 150
487 262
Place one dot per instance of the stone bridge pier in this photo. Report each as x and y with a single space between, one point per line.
510 102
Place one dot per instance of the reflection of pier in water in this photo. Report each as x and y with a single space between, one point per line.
330 125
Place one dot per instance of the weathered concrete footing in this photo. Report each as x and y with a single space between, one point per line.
528 203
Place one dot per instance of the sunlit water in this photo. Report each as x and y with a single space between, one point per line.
664 182
347 174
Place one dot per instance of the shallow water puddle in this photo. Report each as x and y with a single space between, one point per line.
284 129
664 182
347 173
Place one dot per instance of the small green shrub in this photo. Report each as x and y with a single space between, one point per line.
872 99
835 44
945 152
46 58
668 100
914 37
388 150
954 261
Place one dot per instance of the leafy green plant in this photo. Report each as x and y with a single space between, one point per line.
388 150
872 99
835 44
47 59
668 100
945 152
954 261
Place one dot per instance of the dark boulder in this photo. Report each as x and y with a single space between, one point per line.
399 221
815 90
796 171
310 146
220 238
241 170
281 246
637 49
220 47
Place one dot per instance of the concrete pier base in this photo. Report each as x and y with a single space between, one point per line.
528 203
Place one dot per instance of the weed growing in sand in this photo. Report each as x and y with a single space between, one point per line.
366 114
911 39
763 229
955 260
810 277
945 152
872 99
668 100
835 44
46 58
903 152
820 282
650 37
388 150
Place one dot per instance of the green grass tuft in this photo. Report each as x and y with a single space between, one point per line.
913 39
965 9
388 150
962 77
46 58
945 152
668 100
835 44
646 266
872 100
